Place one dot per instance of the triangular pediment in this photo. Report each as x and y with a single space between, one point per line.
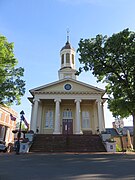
59 87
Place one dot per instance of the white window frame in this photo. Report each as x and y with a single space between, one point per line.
49 119
85 119
67 114
5 117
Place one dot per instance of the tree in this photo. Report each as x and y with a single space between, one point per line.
112 60
23 128
12 87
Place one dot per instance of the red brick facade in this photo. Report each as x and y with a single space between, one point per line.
6 124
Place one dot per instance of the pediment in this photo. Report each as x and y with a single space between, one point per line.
59 87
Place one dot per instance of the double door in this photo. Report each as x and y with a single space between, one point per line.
67 126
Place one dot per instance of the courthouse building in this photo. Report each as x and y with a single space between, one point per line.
67 106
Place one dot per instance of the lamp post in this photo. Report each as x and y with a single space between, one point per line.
19 133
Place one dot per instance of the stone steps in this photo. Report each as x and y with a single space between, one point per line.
70 143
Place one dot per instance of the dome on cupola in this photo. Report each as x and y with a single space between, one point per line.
67 46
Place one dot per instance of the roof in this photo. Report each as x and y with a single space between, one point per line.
68 80
67 46
112 131
115 132
125 128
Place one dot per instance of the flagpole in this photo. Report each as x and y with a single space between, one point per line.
19 133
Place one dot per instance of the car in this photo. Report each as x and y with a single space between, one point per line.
3 147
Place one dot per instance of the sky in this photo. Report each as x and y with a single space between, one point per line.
39 30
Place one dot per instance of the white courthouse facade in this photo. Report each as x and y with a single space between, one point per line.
67 106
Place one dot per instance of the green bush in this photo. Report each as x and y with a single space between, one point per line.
118 148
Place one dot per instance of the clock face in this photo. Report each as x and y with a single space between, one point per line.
67 87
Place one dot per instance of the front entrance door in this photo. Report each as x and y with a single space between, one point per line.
67 122
67 126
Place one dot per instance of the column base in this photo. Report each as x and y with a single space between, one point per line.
56 133
80 132
101 130
33 129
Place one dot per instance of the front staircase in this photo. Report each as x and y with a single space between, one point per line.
67 143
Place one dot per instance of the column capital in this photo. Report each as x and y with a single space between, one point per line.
57 100
99 101
36 99
78 100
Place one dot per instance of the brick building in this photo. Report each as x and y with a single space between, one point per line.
7 124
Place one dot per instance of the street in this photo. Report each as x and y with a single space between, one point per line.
67 166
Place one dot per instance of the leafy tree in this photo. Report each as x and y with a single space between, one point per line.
12 87
23 128
112 60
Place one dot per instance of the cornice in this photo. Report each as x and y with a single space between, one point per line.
64 92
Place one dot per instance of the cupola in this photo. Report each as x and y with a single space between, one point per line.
67 55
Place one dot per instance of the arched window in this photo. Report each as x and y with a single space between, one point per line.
62 59
72 59
67 58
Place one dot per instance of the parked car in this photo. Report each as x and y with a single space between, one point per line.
3 147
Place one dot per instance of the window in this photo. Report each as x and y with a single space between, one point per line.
49 119
72 59
67 114
62 59
5 117
67 76
0 115
85 120
68 58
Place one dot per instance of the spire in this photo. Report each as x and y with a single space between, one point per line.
68 35
67 44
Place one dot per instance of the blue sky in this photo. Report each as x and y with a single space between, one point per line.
38 30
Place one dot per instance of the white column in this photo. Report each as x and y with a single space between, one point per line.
31 122
34 116
39 117
100 116
57 117
78 119
64 59
103 117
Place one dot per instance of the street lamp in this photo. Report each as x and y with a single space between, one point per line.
19 133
